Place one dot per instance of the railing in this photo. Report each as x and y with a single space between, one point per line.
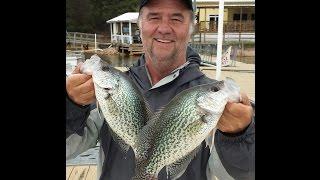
121 39
83 40
228 26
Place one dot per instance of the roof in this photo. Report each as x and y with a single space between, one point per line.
227 2
127 17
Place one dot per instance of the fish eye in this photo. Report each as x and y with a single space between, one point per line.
214 89
105 68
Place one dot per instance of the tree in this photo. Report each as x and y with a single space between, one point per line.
91 15
79 16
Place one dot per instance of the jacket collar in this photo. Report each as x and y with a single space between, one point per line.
183 74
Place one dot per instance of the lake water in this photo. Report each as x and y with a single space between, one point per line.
122 60
127 60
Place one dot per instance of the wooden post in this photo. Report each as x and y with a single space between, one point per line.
219 40
130 38
205 23
195 11
74 40
121 32
111 30
81 41
95 42
224 33
240 33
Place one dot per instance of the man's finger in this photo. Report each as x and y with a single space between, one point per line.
78 79
87 86
244 99
235 107
238 110
77 69
88 97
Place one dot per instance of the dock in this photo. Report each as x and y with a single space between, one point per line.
131 49
135 49
81 172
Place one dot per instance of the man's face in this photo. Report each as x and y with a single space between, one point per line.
165 27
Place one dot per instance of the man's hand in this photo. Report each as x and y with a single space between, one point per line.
80 87
236 116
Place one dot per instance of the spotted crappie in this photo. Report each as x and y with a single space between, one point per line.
172 138
118 100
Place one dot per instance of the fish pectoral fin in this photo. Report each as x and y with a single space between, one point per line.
107 96
176 169
210 139
204 119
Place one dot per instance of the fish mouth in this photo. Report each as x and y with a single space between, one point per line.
107 89
214 88
217 86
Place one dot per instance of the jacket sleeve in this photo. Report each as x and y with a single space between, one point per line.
83 125
76 116
236 154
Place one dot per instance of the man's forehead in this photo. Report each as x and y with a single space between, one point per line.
182 3
176 5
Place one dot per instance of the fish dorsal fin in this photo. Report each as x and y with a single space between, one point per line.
155 115
148 109
193 88
149 112
176 169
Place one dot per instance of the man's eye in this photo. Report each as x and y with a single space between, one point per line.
154 18
176 20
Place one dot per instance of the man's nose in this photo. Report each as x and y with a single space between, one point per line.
164 27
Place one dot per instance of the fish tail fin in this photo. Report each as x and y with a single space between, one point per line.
233 90
145 177
141 172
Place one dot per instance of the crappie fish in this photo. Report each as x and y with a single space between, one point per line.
174 135
118 100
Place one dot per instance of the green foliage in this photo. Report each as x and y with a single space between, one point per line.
90 16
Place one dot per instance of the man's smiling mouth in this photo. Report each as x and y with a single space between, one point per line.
163 40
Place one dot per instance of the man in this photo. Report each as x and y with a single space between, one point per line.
167 67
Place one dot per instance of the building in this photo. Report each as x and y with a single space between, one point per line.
239 15
124 28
